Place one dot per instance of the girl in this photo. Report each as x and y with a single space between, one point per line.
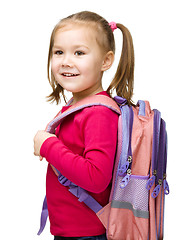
83 148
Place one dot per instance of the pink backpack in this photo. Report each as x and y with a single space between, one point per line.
136 204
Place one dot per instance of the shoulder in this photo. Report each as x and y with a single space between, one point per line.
98 110
98 114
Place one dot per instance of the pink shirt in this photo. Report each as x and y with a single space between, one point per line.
83 152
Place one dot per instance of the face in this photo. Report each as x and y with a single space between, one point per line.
77 62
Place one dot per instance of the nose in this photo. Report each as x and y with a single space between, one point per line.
67 61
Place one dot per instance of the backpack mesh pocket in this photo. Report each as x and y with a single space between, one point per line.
133 197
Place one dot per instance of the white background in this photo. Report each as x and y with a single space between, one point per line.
25 28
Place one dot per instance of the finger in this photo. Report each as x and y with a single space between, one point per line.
41 158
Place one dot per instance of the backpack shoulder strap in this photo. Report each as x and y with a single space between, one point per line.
95 100
81 194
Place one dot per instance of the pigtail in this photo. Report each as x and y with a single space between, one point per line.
123 81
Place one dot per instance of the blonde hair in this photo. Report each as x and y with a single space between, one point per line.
123 80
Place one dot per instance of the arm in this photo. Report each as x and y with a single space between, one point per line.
93 170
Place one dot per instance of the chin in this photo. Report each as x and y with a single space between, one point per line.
74 89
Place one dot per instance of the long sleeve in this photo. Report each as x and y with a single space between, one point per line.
84 151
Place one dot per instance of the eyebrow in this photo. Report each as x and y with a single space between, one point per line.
74 46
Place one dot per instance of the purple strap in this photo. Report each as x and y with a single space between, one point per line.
125 161
162 158
142 107
155 147
44 216
156 135
165 183
165 162
161 152
83 196
159 156
80 193
159 162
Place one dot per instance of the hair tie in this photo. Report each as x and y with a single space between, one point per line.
113 26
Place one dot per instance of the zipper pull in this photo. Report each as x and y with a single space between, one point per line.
125 180
150 182
166 187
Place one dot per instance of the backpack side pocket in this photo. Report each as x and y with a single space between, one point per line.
129 215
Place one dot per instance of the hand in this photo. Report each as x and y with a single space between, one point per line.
39 138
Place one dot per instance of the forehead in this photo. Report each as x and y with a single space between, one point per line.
75 33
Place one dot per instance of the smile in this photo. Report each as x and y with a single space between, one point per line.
69 74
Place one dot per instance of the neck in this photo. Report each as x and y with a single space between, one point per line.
79 96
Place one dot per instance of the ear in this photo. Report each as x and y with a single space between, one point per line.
108 61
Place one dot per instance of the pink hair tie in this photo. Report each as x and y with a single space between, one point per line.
113 26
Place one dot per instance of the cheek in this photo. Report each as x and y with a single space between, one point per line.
94 69
54 66
90 66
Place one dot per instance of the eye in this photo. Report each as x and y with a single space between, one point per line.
58 52
79 53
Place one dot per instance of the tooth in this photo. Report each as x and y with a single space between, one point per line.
69 74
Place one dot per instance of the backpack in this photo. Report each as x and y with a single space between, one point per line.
136 205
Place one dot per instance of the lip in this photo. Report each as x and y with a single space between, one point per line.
69 74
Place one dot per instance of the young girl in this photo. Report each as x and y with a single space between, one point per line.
83 148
